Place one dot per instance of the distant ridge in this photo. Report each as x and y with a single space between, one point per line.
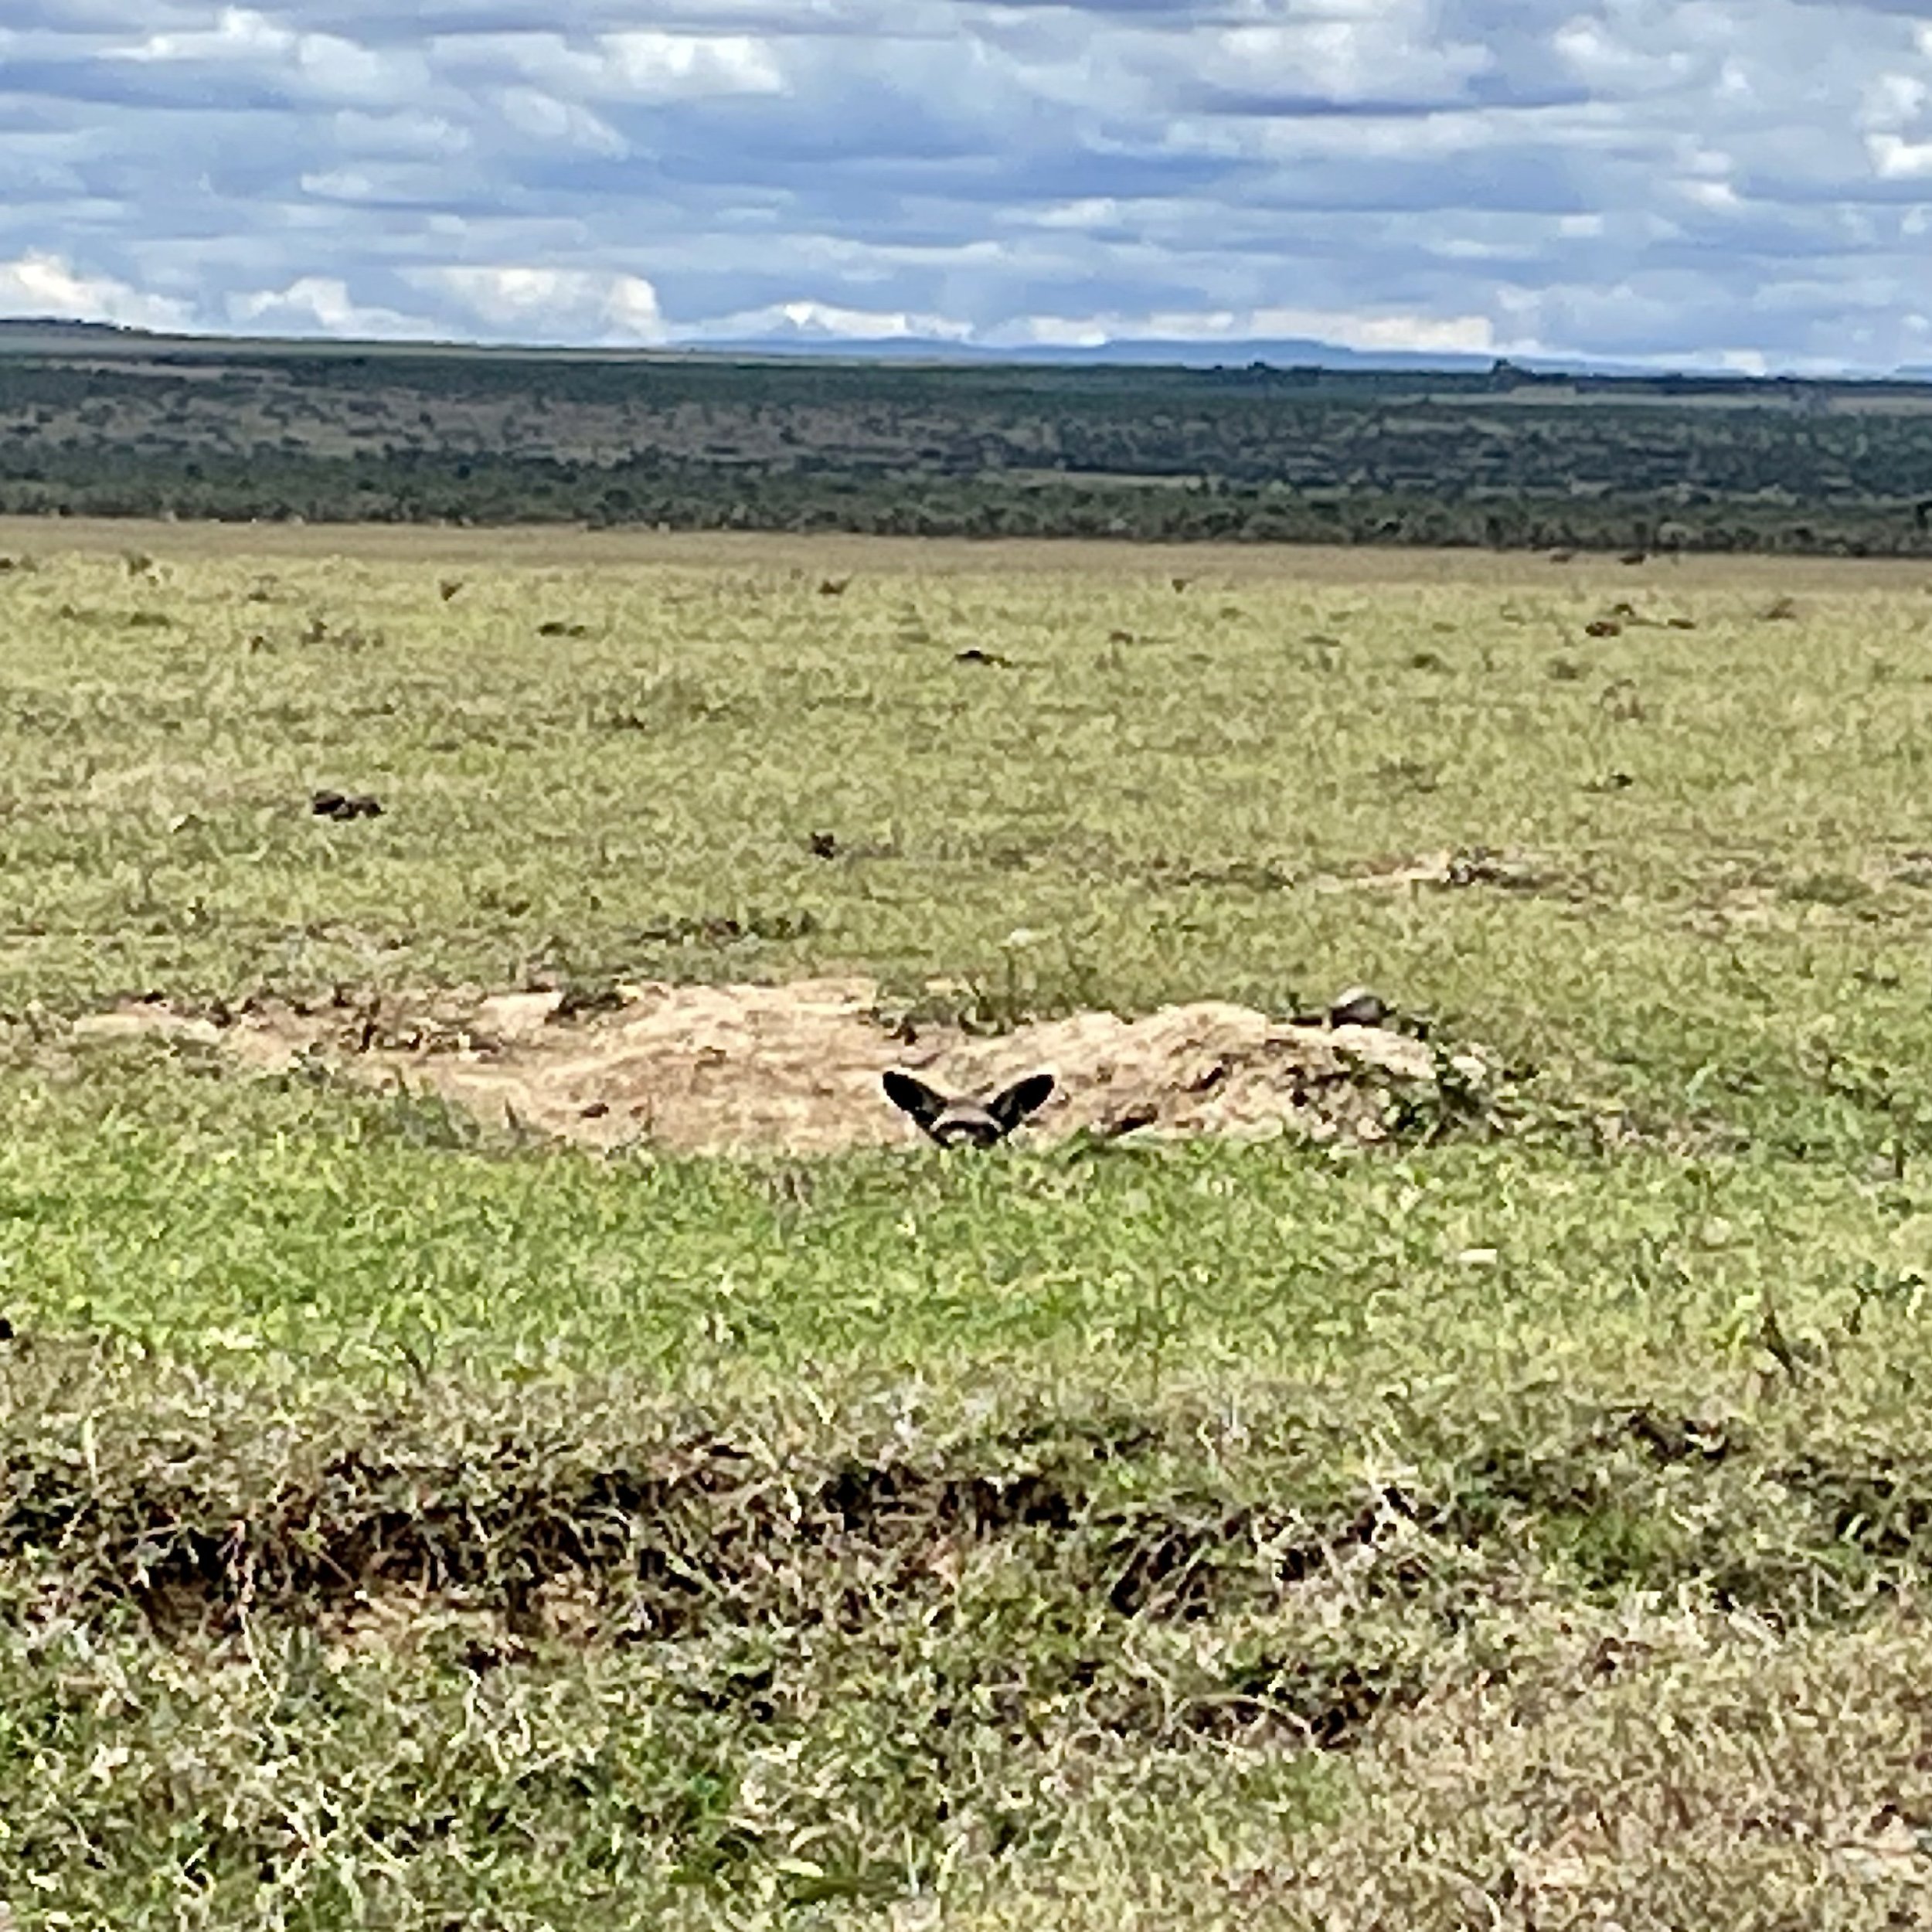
45 325
46 331
52 335
1287 352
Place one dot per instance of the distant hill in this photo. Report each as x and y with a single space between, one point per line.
49 334
1167 352
53 335
60 325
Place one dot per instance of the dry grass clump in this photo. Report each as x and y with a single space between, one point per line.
565 1651
1645 1769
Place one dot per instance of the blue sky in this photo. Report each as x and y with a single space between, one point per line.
1742 183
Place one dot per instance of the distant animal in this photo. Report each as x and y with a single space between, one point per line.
960 1120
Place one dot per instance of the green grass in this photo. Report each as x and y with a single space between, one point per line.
226 1221
406 1524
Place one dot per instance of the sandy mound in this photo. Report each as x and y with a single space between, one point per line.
796 1068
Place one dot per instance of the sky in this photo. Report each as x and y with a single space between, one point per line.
1741 184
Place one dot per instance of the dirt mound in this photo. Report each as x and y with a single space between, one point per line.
796 1068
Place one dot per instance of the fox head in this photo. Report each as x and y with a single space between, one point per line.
961 1121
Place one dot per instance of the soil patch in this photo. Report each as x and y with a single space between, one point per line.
796 1068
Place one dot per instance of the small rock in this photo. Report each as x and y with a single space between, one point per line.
343 806
149 1025
824 845
1357 1006
518 1016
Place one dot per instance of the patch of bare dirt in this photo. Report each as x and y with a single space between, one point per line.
796 1068
1447 871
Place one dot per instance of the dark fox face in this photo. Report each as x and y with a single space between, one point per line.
964 1122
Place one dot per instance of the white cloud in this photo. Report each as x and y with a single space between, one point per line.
238 34
399 133
1619 177
830 321
325 65
1895 160
394 183
1051 331
1597 55
1378 52
671 66
1719 196
560 123
646 67
553 304
1894 100
36 284
314 304
1462 335
1091 211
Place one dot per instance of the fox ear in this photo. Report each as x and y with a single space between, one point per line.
914 1097
1023 1098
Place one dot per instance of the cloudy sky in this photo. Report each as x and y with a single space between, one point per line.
1747 183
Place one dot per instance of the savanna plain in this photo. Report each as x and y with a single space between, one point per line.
410 1519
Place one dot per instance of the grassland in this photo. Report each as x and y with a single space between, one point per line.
407 1524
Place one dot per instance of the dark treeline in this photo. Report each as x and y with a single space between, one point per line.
1259 454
